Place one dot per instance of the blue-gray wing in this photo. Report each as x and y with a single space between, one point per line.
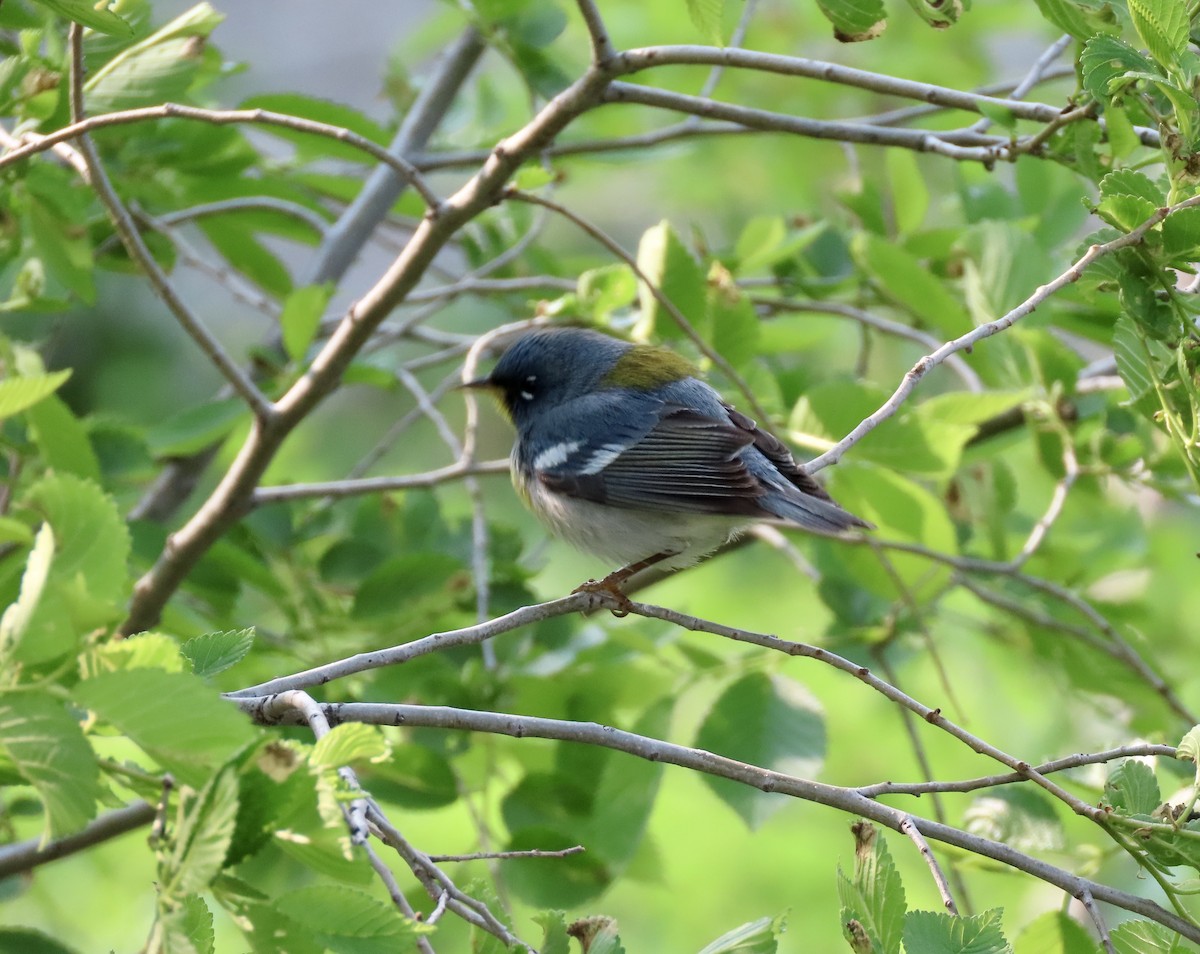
662 457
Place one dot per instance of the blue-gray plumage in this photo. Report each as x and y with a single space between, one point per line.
625 453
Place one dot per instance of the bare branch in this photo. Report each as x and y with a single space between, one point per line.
602 48
847 800
501 855
23 856
374 485
383 187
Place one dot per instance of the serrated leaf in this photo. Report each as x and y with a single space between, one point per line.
1054 933
301 317
174 717
94 15
1131 359
202 839
1189 747
18 393
1163 27
15 621
212 653
931 932
1081 20
1132 789
346 920
1131 182
188 928
143 651
874 898
706 17
47 747
756 244
1143 937
1105 60
1125 212
756 937
554 932
1181 234
346 743
769 721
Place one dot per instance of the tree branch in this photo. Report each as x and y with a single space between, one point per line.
24 856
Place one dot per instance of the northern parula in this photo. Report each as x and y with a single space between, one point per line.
623 451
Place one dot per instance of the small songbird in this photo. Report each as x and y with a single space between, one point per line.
622 450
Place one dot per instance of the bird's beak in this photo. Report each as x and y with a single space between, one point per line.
478 384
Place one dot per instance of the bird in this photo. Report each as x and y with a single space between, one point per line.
623 451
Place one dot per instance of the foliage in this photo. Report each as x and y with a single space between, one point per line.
289 636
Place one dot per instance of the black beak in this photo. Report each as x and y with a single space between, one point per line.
478 384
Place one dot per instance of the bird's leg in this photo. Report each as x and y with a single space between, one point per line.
611 584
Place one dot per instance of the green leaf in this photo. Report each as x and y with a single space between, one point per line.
1002 267
1130 182
158 69
1189 748
1105 60
706 17
1163 27
1144 937
29 941
1054 933
348 742
1181 235
734 325
239 245
348 921
874 899
215 652
94 15
202 839
15 621
188 928
757 243
47 747
143 651
769 721
1132 361
1125 212
669 266
63 441
398 583
755 937
309 145
18 393
1132 789
855 20
1002 116
933 933
903 278
607 289
1081 19
301 317
91 539
910 198
175 718
554 932
196 427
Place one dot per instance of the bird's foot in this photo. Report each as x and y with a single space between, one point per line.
609 587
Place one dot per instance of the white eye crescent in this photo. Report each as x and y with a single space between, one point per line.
526 396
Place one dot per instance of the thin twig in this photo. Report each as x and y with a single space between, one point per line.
602 48
132 240
909 828
1089 904
970 339
502 855
1033 77
373 485
23 856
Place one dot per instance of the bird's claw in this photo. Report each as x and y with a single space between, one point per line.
610 588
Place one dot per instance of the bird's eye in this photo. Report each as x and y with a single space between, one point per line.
527 391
